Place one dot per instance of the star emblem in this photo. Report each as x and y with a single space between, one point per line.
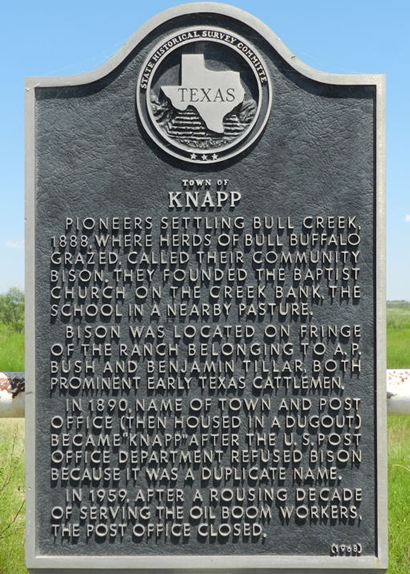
193 155
214 156
204 157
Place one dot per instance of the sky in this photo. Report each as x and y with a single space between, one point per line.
49 38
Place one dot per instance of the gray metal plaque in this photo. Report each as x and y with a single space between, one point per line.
205 323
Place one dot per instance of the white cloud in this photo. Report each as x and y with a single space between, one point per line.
17 244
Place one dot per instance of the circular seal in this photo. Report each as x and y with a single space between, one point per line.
204 94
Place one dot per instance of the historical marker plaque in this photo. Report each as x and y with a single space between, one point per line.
205 335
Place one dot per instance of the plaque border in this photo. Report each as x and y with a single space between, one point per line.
210 564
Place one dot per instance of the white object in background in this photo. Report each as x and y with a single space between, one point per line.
12 395
398 391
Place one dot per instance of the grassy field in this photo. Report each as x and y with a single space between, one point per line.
399 495
398 335
12 472
12 496
398 357
11 350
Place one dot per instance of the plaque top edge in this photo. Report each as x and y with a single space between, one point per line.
31 83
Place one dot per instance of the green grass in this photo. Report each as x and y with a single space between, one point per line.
11 350
12 496
398 357
11 457
398 335
399 494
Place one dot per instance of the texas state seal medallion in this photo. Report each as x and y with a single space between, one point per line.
204 94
